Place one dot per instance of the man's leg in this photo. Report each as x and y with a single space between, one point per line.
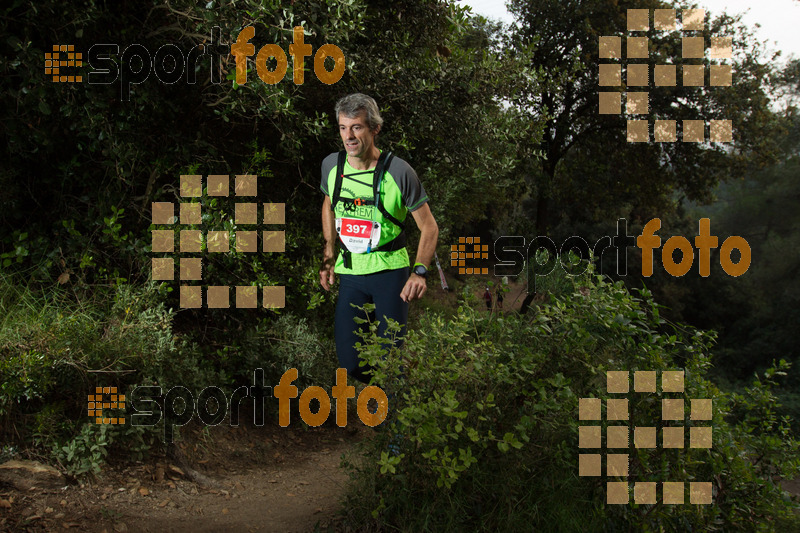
386 288
350 292
383 289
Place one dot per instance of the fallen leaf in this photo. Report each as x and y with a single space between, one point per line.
48 510
143 491
63 278
5 504
225 511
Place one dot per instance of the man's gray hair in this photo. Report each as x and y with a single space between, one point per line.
353 104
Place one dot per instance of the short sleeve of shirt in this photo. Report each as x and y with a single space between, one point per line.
411 189
328 164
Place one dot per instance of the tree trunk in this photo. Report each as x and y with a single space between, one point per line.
526 303
542 204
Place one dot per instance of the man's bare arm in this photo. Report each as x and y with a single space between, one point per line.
429 235
326 276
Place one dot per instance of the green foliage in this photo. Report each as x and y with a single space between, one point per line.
288 342
54 351
86 452
485 423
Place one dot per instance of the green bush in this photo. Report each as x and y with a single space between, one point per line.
485 420
55 349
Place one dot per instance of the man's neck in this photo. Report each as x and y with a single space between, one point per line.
369 161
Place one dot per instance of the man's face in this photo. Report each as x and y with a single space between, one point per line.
358 139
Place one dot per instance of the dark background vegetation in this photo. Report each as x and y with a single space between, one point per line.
501 125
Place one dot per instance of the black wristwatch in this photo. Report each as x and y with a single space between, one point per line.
420 270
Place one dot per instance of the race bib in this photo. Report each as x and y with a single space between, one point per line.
357 235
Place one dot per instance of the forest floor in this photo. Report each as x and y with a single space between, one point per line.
265 478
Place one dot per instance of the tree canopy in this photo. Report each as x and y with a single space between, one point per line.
590 170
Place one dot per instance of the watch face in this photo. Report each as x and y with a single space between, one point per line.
420 270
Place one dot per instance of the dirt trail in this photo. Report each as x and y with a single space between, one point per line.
270 479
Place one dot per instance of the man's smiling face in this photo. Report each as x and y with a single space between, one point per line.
358 139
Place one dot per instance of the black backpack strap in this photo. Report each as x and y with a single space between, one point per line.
384 161
337 187
395 244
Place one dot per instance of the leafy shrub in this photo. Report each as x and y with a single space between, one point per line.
485 423
55 350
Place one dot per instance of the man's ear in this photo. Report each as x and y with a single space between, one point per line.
377 130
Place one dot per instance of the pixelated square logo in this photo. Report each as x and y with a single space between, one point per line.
106 398
633 76
59 62
621 438
464 254
180 231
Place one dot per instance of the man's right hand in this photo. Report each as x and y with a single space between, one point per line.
326 275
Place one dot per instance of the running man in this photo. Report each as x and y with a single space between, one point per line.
368 195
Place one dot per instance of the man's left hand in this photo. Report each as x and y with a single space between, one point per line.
414 289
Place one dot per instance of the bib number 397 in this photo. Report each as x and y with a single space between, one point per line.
356 234
360 228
